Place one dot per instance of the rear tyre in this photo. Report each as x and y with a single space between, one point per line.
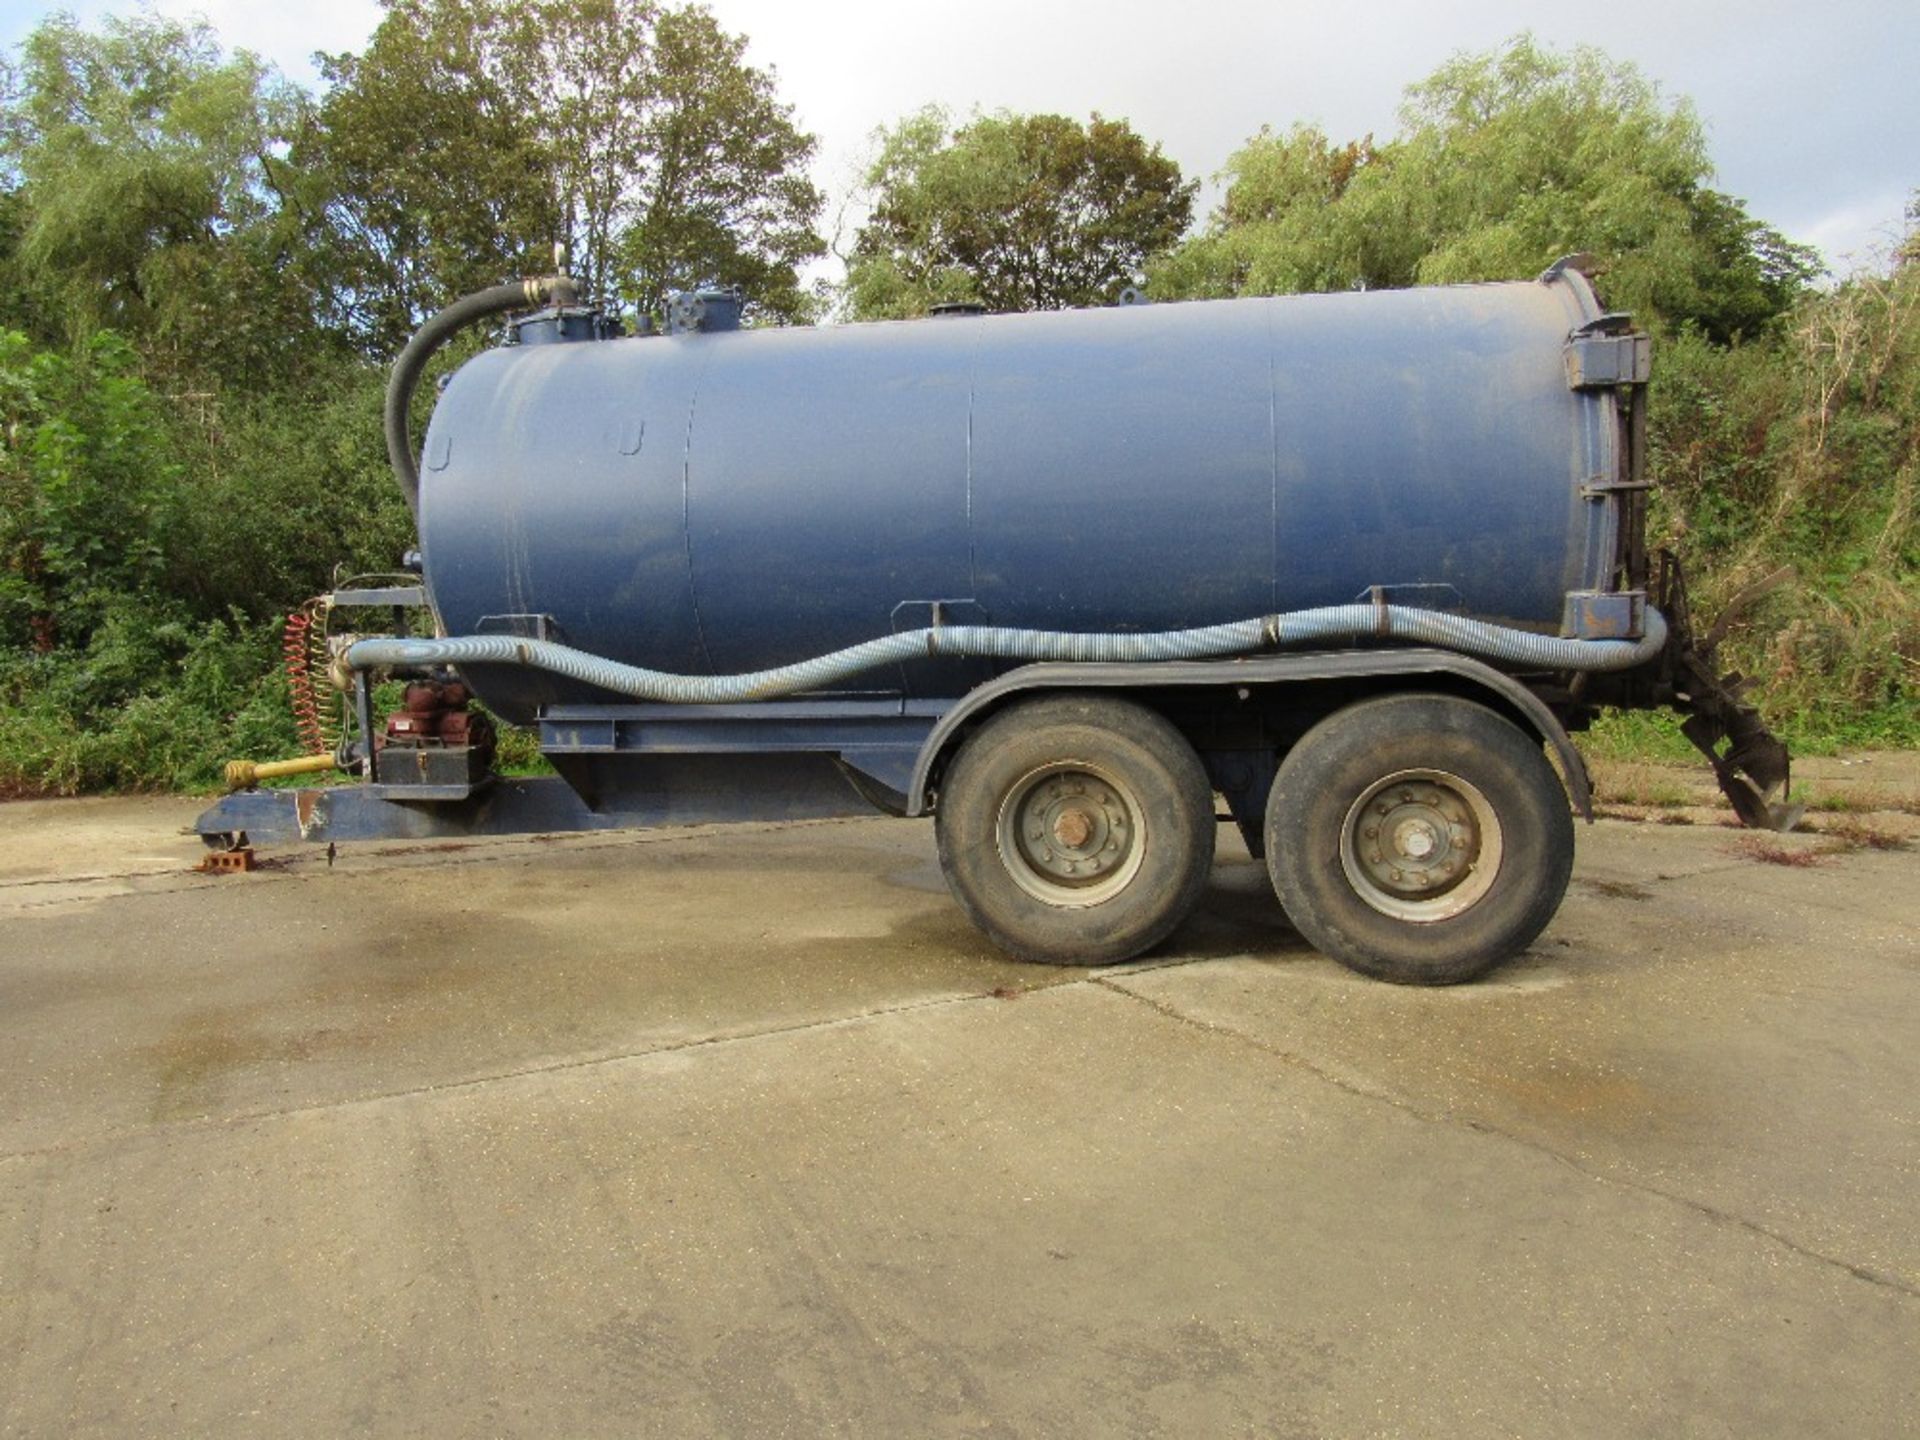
1076 829
1421 839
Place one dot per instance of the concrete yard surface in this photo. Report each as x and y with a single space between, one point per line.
745 1132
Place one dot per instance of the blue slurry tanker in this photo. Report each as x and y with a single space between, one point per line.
1353 565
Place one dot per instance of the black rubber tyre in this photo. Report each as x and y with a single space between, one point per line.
1421 839
1076 829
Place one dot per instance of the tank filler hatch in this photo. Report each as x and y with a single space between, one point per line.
708 312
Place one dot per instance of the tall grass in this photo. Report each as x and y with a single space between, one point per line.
1804 450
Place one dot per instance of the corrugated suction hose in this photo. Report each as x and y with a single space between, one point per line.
1327 625
426 342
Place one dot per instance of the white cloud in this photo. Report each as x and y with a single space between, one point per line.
286 34
1858 236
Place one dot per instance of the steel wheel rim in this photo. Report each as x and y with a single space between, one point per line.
1071 834
1421 845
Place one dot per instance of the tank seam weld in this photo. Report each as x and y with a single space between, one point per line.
973 559
1273 462
686 514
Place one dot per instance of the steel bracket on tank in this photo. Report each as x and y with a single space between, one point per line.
397 597
1419 594
1607 355
932 614
1605 615
1604 489
1608 351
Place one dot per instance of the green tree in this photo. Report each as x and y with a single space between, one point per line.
1017 212
198 266
1280 230
150 196
438 182
472 134
1506 161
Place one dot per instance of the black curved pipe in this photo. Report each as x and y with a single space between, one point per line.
426 342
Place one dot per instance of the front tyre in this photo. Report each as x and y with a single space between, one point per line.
1421 839
1076 829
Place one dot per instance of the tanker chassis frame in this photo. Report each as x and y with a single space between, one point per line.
1450 752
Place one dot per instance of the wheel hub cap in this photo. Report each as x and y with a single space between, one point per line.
1070 835
1421 845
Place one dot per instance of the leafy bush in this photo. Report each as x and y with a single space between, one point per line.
111 675
87 488
153 701
1803 449
282 488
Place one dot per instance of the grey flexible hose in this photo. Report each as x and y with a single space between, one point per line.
1242 637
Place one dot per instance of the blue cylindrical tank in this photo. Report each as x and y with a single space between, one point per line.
711 503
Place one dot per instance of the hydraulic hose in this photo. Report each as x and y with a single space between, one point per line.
1330 624
426 342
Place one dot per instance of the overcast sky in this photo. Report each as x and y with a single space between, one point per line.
1812 109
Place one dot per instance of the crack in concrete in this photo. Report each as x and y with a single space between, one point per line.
21 884
522 1072
1486 1127
1110 982
305 861
582 1062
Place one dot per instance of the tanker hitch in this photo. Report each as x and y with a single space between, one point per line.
433 747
